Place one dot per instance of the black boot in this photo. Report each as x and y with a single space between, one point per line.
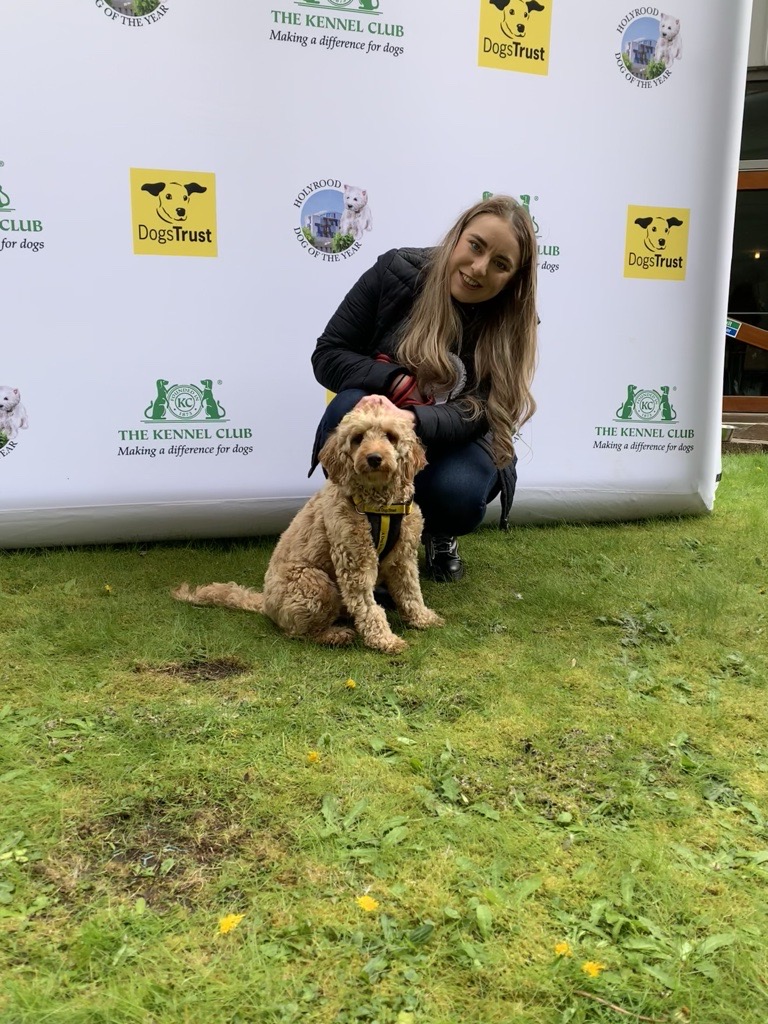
443 562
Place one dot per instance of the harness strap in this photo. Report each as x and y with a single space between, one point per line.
385 522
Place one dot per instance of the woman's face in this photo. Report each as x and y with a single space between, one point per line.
484 260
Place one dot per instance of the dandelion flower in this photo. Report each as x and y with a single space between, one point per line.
226 924
563 949
107 588
367 903
313 757
592 968
350 684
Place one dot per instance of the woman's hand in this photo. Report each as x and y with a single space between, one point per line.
383 402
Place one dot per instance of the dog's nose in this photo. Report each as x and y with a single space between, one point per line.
662 242
180 211
521 29
374 461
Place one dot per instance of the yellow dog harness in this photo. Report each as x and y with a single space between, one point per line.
385 522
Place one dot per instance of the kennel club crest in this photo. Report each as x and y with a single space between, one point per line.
334 219
515 35
173 213
657 243
651 46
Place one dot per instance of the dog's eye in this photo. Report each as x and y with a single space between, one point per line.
392 438
357 439
167 195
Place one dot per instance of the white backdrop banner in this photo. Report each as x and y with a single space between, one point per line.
188 189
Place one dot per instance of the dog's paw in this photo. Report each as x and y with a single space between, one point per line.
387 644
426 619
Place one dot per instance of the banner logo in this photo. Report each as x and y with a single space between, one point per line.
358 21
132 12
13 418
174 213
17 232
515 35
182 413
657 243
651 43
333 219
645 416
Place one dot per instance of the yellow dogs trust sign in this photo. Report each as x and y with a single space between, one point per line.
173 213
657 243
514 35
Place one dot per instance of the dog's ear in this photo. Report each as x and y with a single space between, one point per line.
532 5
673 222
501 4
413 461
154 189
643 221
193 187
332 458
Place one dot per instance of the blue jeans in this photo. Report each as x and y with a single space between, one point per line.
454 489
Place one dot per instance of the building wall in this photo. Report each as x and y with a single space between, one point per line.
758 39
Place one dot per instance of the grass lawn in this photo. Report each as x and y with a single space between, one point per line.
552 811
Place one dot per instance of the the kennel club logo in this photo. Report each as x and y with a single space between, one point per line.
515 34
657 243
191 418
334 219
174 213
17 231
134 13
13 419
651 45
646 421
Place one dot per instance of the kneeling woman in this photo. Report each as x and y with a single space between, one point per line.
448 335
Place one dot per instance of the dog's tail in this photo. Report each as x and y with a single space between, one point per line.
228 595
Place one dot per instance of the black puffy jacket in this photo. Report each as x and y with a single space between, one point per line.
368 322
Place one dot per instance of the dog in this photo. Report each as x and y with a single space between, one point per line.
514 14
172 198
656 231
669 46
357 213
13 415
325 564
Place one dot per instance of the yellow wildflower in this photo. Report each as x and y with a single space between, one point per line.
313 757
367 903
350 684
563 949
107 588
592 968
226 924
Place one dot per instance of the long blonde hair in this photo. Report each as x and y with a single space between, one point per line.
505 351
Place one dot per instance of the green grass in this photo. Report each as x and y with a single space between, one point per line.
580 756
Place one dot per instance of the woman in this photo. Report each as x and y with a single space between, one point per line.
448 335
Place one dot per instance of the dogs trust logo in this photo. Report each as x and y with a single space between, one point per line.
515 35
333 219
651 43
174 213
134 13
657 243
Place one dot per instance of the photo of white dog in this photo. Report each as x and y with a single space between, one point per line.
669 47
357 213
13 415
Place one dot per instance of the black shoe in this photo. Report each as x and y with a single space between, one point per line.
443 562
383 597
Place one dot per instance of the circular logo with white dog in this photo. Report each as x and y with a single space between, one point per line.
651 45
333 219
13 418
